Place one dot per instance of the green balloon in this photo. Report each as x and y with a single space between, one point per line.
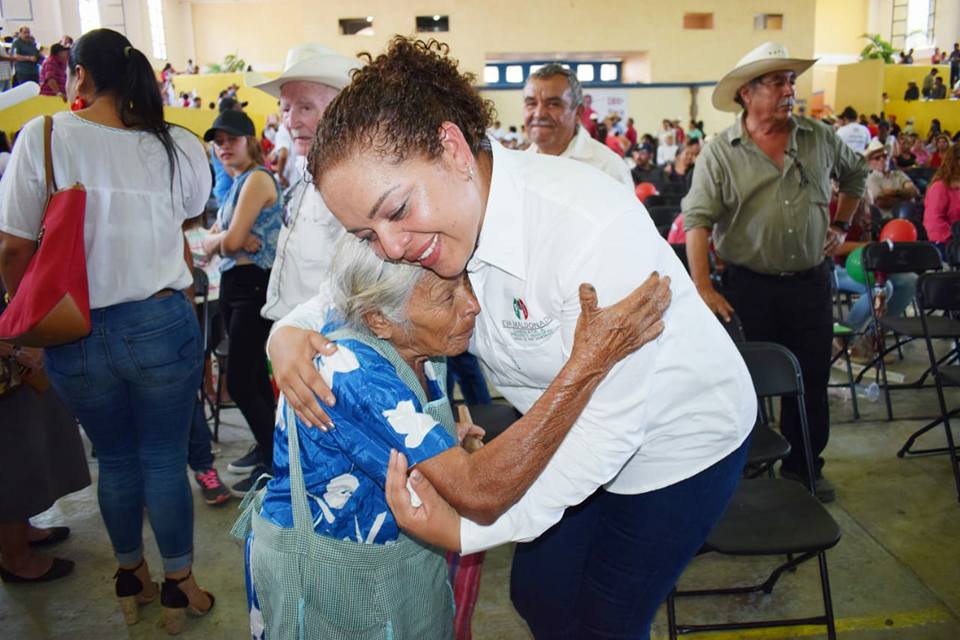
855 268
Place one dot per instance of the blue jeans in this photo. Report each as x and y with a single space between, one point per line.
605 568
900 289
133 383
464 370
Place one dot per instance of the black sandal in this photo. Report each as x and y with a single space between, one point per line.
59 569
56 535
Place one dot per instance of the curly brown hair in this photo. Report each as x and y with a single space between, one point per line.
949 171
396 103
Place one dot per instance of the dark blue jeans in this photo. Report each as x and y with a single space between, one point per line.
133 383
464 370
605 568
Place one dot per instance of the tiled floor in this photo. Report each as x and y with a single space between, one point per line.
895 573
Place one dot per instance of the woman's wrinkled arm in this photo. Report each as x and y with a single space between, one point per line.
483 485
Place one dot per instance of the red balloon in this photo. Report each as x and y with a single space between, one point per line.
898 231
645 190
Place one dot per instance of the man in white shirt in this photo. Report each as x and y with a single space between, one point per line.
852 132
667 151
312 77
552 108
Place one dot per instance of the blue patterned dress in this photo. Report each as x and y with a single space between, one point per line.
345 468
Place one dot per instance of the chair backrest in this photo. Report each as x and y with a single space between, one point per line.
734 327
663 214
901 257
681 251
939 291
774 369
201 282
952 251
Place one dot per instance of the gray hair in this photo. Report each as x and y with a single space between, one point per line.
361 283
556 69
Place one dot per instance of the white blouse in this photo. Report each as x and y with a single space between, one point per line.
665 413
132 228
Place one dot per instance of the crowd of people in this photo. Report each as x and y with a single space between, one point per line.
378 240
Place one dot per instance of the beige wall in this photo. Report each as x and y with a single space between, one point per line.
480 28
838 26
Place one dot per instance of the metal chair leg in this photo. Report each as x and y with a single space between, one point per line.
827 598
216 404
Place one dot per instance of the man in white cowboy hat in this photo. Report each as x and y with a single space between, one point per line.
312 76
887 189
763 187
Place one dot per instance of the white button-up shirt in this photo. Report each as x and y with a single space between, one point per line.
596 154
304 247
670 410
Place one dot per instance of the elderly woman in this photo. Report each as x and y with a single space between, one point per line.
656 454
326 558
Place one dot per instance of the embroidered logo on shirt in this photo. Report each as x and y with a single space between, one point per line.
520 309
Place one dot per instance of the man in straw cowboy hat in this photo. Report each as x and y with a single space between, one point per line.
763 187
312 77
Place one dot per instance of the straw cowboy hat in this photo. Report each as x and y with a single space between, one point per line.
767 58
873 147
312 62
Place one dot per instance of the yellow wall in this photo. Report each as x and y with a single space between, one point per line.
13 119
860 85
479 29
838 26
948 111
209 85
896 76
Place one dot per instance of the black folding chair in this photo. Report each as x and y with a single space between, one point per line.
663 216
495 418
952 252
898 257
681 251
771 516
939 292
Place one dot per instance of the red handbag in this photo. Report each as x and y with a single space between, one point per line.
52 302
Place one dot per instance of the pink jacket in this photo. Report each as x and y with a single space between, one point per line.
941 208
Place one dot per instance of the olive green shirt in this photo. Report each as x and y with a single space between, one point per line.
765 219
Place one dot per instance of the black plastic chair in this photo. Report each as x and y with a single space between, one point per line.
952 252
771 516
939 292
898 257
495 418
681 251
663 216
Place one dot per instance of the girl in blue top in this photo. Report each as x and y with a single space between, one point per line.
245 234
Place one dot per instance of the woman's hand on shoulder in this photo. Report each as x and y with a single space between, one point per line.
606 335
433 520
291 352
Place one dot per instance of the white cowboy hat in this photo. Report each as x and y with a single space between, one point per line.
312 62
768 57
873 147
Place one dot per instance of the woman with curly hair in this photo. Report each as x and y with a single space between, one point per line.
402 160
941 205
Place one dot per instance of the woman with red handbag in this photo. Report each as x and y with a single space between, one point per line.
133 380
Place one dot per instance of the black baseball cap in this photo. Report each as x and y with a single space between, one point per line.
236 123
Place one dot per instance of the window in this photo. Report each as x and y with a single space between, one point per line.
508 74
912 23
608 72
698 21
157 33
515 74
89 15
768 21
434 23
357 26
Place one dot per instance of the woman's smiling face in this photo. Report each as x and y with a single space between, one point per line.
421 211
